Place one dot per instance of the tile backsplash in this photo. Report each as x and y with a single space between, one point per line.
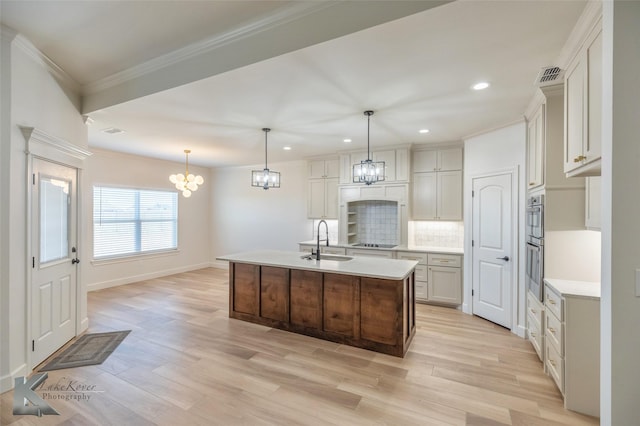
377 221
436 234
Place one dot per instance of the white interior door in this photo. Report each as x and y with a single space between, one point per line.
54 258
492 229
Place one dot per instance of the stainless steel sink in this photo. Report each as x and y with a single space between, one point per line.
335 257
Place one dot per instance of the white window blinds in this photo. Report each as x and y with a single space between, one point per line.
133 221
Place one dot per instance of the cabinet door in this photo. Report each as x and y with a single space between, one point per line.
424 195
449 206
274 293
331 198
450 159
332 168
445 285
340 304
306 298
593 142
574 115
425 161
535 149
316 199
316 169
402 164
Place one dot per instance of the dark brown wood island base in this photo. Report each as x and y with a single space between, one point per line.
366 312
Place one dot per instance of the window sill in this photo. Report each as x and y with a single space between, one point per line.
134 257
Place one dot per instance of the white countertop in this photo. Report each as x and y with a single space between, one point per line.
568 288
425 249
389 269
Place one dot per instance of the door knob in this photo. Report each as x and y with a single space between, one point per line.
505 258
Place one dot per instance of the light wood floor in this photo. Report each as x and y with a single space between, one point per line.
186 363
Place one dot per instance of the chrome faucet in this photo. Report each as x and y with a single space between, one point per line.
326 228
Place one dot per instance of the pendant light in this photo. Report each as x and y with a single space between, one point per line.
265 178
368 171
187 183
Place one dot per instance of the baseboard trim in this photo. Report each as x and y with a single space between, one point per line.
147 276
220 264
7 381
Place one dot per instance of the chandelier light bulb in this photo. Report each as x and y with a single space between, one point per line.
187 182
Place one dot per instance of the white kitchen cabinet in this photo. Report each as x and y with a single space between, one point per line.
421 275
437 160
437 195
322 197
535 324
583 108
572 342
322 201
444 278
396 164
319 169
592 201
370 252
535 148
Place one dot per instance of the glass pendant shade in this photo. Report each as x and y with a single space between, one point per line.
187 182
265 178
368 171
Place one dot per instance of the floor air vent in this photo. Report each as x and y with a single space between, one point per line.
548 76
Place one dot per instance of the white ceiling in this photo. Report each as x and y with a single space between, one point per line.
415 71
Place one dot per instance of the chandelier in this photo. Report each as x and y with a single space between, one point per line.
187 183
265 178
368 171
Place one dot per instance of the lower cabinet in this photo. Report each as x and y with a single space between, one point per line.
572 347
370 313
535 324
438 277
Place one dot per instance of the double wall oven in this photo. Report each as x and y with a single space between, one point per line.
535 245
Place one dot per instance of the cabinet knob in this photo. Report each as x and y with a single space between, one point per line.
552 362
579 158
552 330
533 311
531 183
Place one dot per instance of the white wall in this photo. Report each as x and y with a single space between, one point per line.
108 168
620 313
34 95
497 151
249 218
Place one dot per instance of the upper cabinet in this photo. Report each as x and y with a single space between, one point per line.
583 108
396 164
437 160
322 201
437 184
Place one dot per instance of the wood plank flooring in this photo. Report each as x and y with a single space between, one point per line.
186 363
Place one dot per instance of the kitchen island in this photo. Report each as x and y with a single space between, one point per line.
358 301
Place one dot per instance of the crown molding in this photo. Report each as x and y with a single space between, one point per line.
590 18
44 145
284 15
58 73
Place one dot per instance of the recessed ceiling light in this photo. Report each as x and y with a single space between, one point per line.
347 140
424 130
480 86
287 148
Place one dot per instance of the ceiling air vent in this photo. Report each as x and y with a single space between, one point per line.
113 130
548 76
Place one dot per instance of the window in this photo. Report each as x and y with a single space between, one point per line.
133 221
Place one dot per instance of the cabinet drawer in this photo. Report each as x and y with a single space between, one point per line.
553 332
555 366
536 337
444 260
370 253
553 302
421 273
421 290
535 309
333 250
409 255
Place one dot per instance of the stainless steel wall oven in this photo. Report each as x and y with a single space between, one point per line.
535 245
